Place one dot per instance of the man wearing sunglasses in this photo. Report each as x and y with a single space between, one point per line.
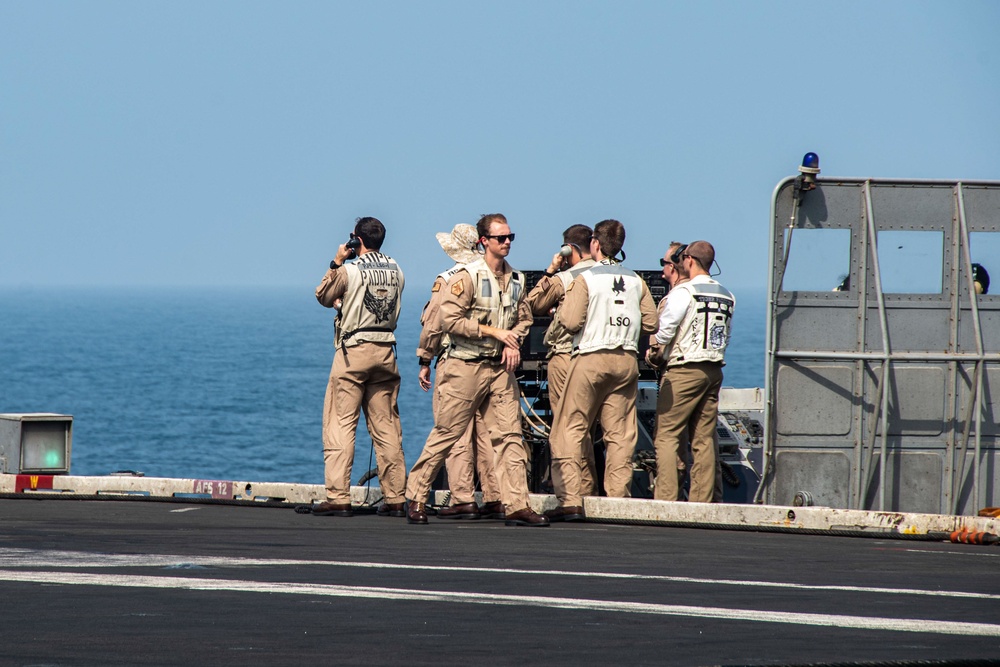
365 376
694 329
545 299
674 274
484 314
474 450
606 308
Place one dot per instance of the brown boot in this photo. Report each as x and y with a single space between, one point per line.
565 514
460 511
493 510
326 508
526 517
415 512
391 509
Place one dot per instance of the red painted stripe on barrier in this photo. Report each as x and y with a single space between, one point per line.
32 482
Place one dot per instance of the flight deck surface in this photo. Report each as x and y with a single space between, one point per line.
158 583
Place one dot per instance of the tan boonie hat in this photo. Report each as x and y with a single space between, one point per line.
460 243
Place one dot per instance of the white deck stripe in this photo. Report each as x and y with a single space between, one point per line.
367 592
32 558
979 554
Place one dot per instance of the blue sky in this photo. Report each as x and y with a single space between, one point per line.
234 143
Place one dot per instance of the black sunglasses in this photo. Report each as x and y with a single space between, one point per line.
664 263
501 238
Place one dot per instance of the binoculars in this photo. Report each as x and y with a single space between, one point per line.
353 244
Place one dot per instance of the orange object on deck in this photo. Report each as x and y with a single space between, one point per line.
965 536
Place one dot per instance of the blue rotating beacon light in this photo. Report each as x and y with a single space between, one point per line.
809 170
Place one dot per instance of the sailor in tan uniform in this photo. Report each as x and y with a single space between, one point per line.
675 274
607 308
545 298
474 450
364 374
485 316
694 328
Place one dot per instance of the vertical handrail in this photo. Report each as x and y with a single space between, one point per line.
774 288
886 352
870 437
787 243
976 404
970 409
860 365
954 411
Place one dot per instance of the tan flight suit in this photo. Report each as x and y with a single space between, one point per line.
603 381
474 450
364 376
544 300
472 453
478 384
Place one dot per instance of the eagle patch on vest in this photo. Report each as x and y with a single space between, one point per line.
457 288
380 302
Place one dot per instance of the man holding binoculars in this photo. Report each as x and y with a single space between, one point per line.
364 375
545 298
606 308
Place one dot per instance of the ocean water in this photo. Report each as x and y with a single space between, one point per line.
219 383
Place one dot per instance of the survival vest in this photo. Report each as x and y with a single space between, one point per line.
704 332
558 340
371 302
614 318
489 306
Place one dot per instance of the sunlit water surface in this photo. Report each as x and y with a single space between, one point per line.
221 383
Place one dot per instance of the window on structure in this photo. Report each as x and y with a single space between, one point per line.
911 262
819 260
985 251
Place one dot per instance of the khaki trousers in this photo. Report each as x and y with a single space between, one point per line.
558 371
473 452
363 377
602 385
688 404
684 462
463 389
